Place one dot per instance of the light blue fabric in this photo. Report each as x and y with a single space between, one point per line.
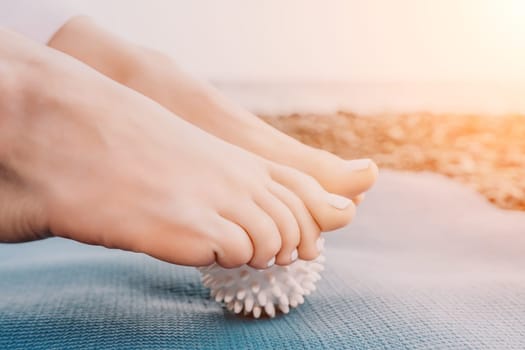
427 265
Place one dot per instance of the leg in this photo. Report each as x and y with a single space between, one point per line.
85 158
158 77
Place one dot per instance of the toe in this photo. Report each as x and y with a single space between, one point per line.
198 240
356 177
348 178
362 174
358 199
286 222
262 230
330 211
231 243
305 247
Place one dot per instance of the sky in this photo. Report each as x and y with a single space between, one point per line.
341 40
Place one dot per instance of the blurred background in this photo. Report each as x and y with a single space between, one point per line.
455 55
416 85
432 90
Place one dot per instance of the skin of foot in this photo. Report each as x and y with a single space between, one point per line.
158 77
86 158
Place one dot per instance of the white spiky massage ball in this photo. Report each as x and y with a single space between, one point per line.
255 292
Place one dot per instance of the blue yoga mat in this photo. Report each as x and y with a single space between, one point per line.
427 264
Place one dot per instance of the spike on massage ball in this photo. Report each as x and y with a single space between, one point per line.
252 292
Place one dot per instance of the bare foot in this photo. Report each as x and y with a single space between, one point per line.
86 158
157 76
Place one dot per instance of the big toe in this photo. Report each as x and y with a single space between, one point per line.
331 211
349 178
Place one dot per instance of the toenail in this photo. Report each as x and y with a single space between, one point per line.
294 255
320 244
271 262
338 201
358 164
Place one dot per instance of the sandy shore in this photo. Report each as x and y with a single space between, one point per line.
486 153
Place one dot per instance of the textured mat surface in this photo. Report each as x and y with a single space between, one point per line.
427 264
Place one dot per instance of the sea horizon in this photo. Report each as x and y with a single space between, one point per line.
373 98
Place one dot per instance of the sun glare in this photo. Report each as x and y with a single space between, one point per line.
503 18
